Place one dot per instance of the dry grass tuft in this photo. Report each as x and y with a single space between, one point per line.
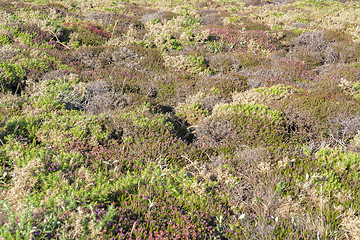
255 193
7 52
23 183
351 224
355 143
74 226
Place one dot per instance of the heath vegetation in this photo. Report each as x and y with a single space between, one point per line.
179 119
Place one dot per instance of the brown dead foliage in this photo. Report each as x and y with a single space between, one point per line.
23 182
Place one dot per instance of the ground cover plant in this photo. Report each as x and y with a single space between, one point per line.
184 119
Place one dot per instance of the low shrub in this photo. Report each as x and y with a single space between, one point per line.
232 125
288 71
11 76
87 34
340 173
234 62
223 85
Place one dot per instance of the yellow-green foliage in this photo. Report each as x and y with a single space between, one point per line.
192 111
4 40
264 95
173 32
189 63
57 127
139 118
277 91
248 109
11 74
338 169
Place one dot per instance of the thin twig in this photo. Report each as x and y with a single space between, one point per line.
58 41
338 141
132 229
17 88
187 135
187 158
208 156
112 34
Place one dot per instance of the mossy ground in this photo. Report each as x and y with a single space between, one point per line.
184 119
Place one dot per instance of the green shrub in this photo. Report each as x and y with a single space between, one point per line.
339 170
11 75
251 110
232 125
277 91
5 40
198 63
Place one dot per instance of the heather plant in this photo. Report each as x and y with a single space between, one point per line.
31 35
38 64
97 153
349 72
323 47
251 25
289 71
229 40
171 88
152 58
318 114
86 34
